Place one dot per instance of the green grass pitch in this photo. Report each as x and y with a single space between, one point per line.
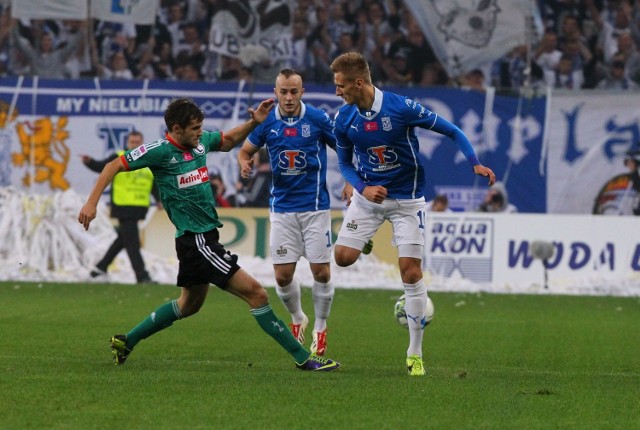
493 362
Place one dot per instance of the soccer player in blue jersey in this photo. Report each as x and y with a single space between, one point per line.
296 136
378 128
179 166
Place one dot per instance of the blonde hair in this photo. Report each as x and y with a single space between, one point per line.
352 65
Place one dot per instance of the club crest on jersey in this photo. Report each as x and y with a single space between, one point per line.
194 177
371 126
292 162
199 149
352 226
306 130
386 123
290 132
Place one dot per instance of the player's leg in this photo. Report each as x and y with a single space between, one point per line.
189 303
317 239
200 264
286 244
243 285
408 235
361 220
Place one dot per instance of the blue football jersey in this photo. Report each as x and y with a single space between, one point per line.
298 155
385 145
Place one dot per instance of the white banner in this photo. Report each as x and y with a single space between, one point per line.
592 255
467 34
48 9
129 11
253 30
587 141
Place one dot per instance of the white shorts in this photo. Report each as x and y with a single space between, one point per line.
363 219
300 234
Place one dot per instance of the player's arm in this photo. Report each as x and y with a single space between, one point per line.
237 135
450 130
89 210
245 158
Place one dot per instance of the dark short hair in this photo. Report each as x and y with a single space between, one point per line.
182 111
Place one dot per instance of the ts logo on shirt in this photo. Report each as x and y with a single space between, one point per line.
292 161
381 155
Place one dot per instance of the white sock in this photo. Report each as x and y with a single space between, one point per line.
415 306
290 297
322 299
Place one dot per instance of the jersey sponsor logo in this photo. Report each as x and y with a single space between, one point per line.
386 123
306 130
292 161
355 127
173 160
383 158
138 152
290 132
371 126
281 252
194 177
352 226
274 132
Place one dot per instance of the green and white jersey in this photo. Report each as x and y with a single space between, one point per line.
182 178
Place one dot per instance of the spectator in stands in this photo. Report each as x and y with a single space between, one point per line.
565 76
116 69
440 203
616 78
473 80
112 37
610 29
628 52
512 72
547 55
219 190
497 200
45 60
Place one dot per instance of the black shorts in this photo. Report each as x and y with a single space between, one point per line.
204 260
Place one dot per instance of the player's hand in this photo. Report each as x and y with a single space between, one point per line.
260 113
481 170
246 167
87 214
375 193
347 192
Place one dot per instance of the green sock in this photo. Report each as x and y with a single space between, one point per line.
159 319
279 331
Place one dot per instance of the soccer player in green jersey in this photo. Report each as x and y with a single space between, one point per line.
178 163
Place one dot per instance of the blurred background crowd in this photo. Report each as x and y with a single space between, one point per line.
583 44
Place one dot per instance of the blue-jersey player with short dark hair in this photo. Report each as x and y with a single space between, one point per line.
377 127
296 136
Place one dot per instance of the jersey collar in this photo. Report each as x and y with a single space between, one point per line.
174 143
377 105
303 109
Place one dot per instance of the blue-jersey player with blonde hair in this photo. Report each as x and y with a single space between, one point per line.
296 136
378 128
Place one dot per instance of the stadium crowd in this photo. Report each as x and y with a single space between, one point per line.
586 44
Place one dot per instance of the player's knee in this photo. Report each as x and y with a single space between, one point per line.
344 260
283 279
257 296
